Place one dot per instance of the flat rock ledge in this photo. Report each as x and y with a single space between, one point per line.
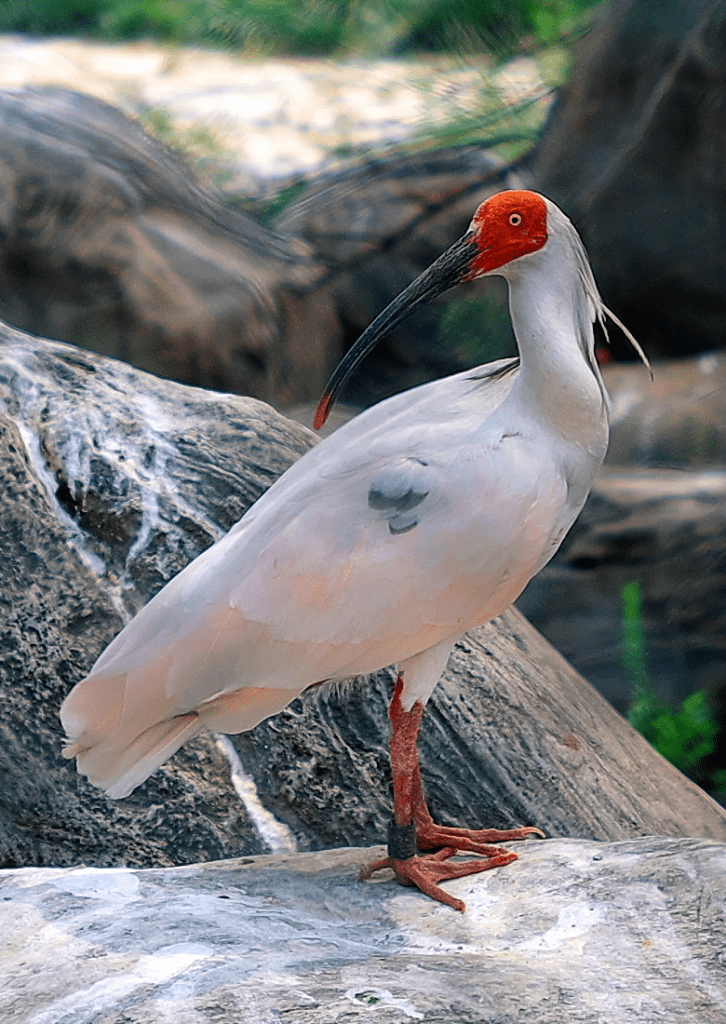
575 930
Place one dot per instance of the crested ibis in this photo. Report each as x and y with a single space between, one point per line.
421 518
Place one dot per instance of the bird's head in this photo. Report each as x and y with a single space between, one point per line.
505 228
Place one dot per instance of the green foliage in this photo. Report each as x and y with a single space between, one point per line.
460 327
373 27
303 26
267 208
176 21
195 142
686 735
635 658
52 16
497 25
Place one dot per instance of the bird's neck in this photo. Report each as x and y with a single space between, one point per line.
558 381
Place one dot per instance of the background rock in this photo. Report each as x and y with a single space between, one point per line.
109 241
112 480
675 421
633 152
377 227
655 515
585 932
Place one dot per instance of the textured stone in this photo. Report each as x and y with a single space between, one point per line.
377 227
590 933
111 481
655 515
634 153
109 241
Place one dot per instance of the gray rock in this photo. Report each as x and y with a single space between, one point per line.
633 152
576 931
675 421
663 528
377 227
109 241
110 481
655 515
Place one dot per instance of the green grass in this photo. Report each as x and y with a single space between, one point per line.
313 27
685 735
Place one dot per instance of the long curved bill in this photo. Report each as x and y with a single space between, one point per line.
451 268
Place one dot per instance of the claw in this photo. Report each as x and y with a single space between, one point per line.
425 872
430 836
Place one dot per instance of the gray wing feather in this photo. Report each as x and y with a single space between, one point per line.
398 491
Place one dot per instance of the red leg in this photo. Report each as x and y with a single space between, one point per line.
410 810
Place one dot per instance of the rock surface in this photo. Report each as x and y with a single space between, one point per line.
583 932
655 515
664 528
675 421
376 228
111 481
109 241
634 152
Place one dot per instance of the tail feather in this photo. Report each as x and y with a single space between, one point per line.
107 723
117 752
142 757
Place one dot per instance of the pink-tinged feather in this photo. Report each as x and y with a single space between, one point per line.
421 518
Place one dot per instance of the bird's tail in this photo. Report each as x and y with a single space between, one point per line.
116 757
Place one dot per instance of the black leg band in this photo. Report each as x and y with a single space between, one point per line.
401 840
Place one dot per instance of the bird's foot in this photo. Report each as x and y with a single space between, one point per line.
430 836
425 872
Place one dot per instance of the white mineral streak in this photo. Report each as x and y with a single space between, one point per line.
140 458
76 536
158 428
79 430
276 834
148 971
381 996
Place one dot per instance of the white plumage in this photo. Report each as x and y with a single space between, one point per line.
419 519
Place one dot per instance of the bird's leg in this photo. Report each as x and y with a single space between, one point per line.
412 826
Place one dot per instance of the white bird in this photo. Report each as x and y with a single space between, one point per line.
420 519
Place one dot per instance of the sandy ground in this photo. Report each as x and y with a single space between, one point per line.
271 120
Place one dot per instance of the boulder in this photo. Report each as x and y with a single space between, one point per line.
634 152
377 227
655 515
111 480
675 421
590 933
108 240
665 529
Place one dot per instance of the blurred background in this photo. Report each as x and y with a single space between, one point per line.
226 193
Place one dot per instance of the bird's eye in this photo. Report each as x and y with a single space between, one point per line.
515 219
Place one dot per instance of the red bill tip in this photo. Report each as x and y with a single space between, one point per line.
321 413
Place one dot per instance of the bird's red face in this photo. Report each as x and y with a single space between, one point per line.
505 227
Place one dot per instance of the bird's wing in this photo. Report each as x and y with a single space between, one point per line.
373 546
366 552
